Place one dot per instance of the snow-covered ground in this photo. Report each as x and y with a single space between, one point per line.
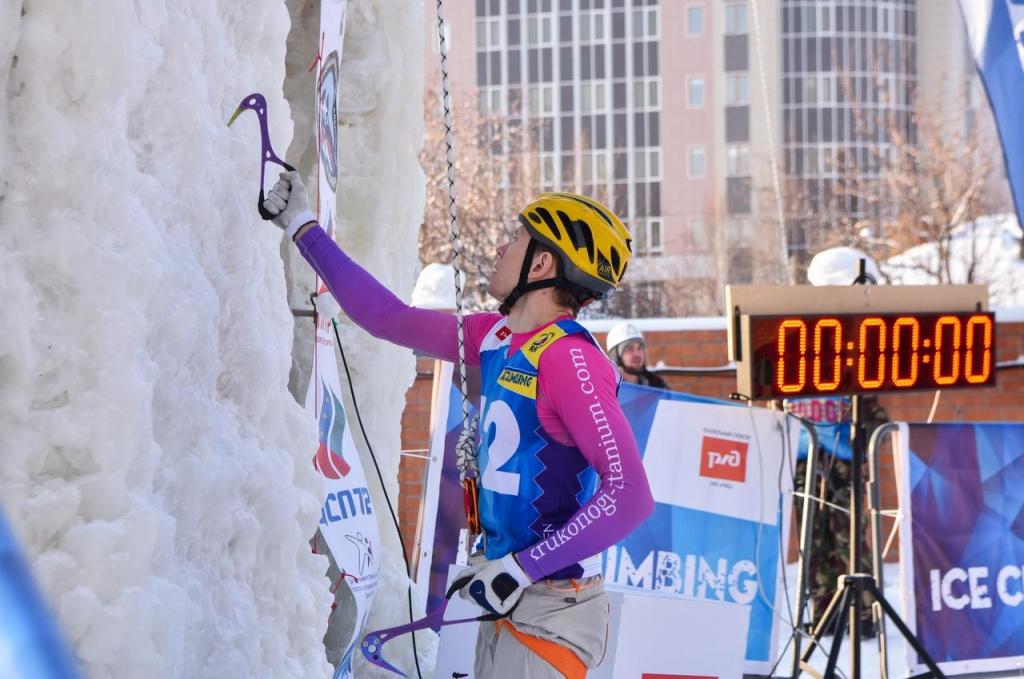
155 466
990 245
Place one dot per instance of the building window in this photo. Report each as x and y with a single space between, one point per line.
645 94
594 166
541 100
648 237
697 165
695 20
547 172
740 229
654 236
736 93
645 23
488 33
538 30
654 164
736 18
699 233
490 100
826 88
737 161
695 91
592 26
646 165
593 97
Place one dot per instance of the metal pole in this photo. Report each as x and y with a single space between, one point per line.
875 508
856 490
806 526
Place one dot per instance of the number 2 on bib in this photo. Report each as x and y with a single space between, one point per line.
502 445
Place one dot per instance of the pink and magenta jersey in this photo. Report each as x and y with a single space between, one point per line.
575 404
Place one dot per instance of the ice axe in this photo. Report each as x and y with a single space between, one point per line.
256 102
373 641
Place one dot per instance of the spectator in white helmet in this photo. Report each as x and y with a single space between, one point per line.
625 344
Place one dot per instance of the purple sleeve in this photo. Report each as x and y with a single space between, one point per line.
377 310
581 388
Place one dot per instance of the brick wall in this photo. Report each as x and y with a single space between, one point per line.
412 469
707 348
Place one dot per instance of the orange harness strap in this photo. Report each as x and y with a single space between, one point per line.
556 655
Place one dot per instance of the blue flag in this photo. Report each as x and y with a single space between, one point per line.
31 647
996 32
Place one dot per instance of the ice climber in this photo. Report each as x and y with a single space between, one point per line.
561 477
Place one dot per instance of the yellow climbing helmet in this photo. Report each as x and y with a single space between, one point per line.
592 242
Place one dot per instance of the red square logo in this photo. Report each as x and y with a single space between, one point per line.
502 332
724 459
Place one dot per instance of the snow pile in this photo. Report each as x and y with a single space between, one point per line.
990 246
435 288
156 468
840 266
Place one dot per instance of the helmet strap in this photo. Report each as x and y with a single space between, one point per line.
523 286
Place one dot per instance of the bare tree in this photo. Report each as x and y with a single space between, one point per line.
669 297
920 180
495 172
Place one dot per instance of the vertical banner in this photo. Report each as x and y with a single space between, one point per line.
347 519
996 32
721 476
961 492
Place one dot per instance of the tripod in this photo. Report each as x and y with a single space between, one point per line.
847 603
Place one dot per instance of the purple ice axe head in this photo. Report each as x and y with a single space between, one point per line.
256 102
373 641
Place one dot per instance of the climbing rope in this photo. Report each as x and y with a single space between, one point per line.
465 449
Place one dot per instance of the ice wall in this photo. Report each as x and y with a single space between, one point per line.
380 205
154 464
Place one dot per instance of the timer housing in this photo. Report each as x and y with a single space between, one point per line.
791 341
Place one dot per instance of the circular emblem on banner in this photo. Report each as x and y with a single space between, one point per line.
328 101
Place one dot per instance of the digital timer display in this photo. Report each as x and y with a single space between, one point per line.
798 355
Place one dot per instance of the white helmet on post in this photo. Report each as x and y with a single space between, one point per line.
840 266
620 334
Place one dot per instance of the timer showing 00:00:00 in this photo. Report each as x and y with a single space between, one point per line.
848 353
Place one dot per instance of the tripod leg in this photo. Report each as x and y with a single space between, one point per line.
878 616
837 641
914 642
834 607
856 603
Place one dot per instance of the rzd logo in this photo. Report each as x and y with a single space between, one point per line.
724 459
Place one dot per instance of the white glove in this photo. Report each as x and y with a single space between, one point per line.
495 585
326 305
290 203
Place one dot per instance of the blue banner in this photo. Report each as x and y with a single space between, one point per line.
962 486
30 644
996 32
720 476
